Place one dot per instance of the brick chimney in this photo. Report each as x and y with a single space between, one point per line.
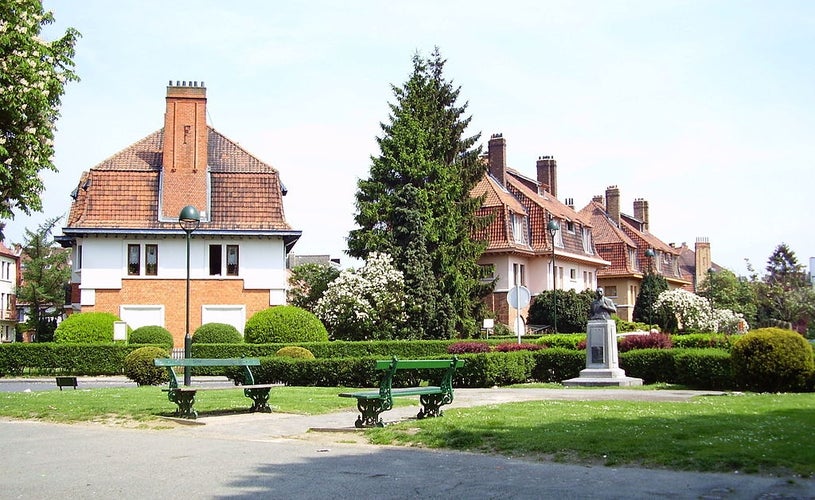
641 212
613 203
547 174
598 198
497 153
703 261
184 168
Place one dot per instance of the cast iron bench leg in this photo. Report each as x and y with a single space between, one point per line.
369 410
185 401
431 405
260 398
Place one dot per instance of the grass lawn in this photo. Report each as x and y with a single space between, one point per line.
146 403
749 433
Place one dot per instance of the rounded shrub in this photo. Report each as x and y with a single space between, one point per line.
295 352
217 333
139 367
284 324
87 327
152 334
772 360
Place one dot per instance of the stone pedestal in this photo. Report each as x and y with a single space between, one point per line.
602 360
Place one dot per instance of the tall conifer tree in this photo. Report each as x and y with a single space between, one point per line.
416 203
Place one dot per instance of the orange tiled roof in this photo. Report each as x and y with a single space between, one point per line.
122 192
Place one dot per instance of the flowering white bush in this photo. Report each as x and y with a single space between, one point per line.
695 314
368 303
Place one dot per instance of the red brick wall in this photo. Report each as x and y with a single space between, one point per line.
172 294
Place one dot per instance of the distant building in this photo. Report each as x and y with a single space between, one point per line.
623 240
9 281
519 246
129 252
293 260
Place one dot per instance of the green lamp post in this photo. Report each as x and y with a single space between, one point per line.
189 220
553 227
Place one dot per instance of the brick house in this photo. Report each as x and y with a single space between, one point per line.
129 252
623 240
519 247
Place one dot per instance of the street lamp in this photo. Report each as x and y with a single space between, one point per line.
552 226
650 254
188 219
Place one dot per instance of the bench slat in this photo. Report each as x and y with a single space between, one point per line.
415 364
192 388
165 362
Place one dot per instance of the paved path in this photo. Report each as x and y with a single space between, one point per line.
275 456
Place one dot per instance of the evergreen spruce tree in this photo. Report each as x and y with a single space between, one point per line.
45 274
416 203
652 285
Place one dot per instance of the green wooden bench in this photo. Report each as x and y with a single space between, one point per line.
184 396
372 403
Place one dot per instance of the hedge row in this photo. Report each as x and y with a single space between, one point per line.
73 359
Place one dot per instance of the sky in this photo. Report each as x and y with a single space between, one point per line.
702 108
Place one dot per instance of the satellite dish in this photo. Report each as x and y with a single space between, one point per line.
518 297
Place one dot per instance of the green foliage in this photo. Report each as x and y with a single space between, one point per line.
727 291
772 360
217 333
572 309
645 311
86 327
709 369
651 365
416 205
308 283
139 366
629 326
152 334
703 340
558 364
564 340
75 359
294 352
334 372
45 277
495 368
284 324
33 74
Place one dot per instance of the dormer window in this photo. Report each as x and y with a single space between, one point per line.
588 247
518 228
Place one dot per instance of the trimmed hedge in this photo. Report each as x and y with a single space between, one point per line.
284 324
772 360
152 334
86 327
72 359
217 333
703 340
704 368
651 365
564 340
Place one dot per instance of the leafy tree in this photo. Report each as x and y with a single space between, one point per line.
307 283
725 290
45 275
785 293
572 309
33 74
416 205
644 310
365 304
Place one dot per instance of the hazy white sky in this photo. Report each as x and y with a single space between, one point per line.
703 108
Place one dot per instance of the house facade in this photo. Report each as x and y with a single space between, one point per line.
129 252
624 241
9 280
520 249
